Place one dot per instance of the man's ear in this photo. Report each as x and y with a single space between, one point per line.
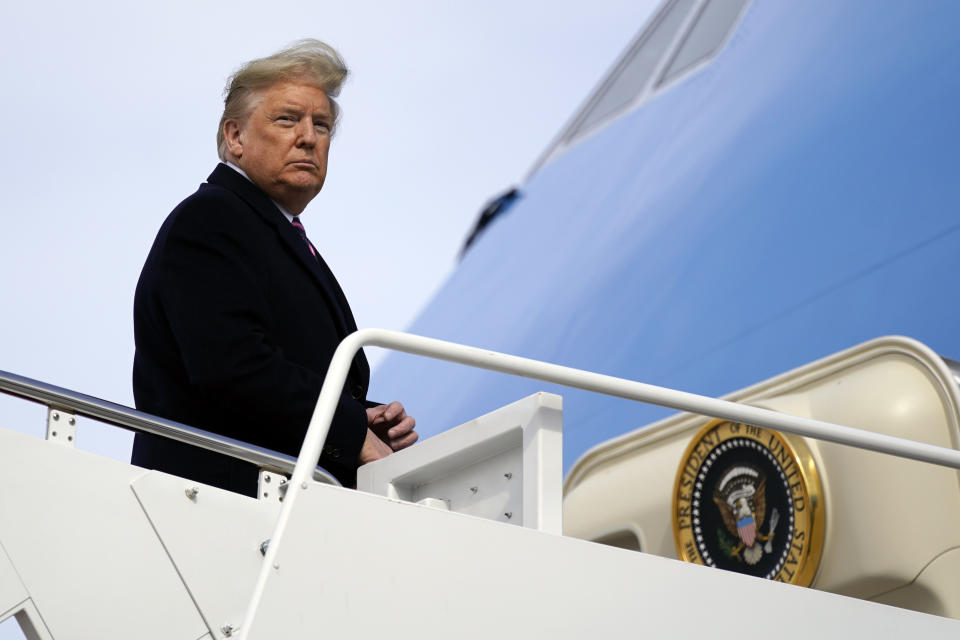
233 137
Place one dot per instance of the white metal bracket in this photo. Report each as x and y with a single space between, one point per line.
271 486
504 466
61 427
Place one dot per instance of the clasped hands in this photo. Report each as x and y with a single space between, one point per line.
389 429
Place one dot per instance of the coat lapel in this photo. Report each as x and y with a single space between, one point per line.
321 274
226 177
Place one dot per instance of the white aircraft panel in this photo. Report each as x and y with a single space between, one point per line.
506 466
12 591
85 552
213 539
364 566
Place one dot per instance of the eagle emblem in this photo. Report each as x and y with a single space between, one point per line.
749 500
742 500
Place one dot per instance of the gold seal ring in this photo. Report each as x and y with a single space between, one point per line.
749 500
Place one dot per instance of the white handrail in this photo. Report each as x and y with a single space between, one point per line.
54 397
343 357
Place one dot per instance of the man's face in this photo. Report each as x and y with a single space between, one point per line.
282 144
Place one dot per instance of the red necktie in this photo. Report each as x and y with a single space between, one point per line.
303 234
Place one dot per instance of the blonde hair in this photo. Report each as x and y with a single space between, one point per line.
308 60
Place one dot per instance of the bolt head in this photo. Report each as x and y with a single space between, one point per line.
56 415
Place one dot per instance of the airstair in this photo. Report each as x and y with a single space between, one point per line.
459 536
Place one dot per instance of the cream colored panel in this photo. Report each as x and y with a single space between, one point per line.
931 588
629 491
886 517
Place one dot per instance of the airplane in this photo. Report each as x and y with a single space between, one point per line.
719 211
755 188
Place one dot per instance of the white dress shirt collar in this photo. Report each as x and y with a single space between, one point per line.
286 214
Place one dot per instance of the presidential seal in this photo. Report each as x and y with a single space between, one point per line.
748 500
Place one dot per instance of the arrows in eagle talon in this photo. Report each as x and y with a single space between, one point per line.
774 519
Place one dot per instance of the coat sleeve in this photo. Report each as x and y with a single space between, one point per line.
213 299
